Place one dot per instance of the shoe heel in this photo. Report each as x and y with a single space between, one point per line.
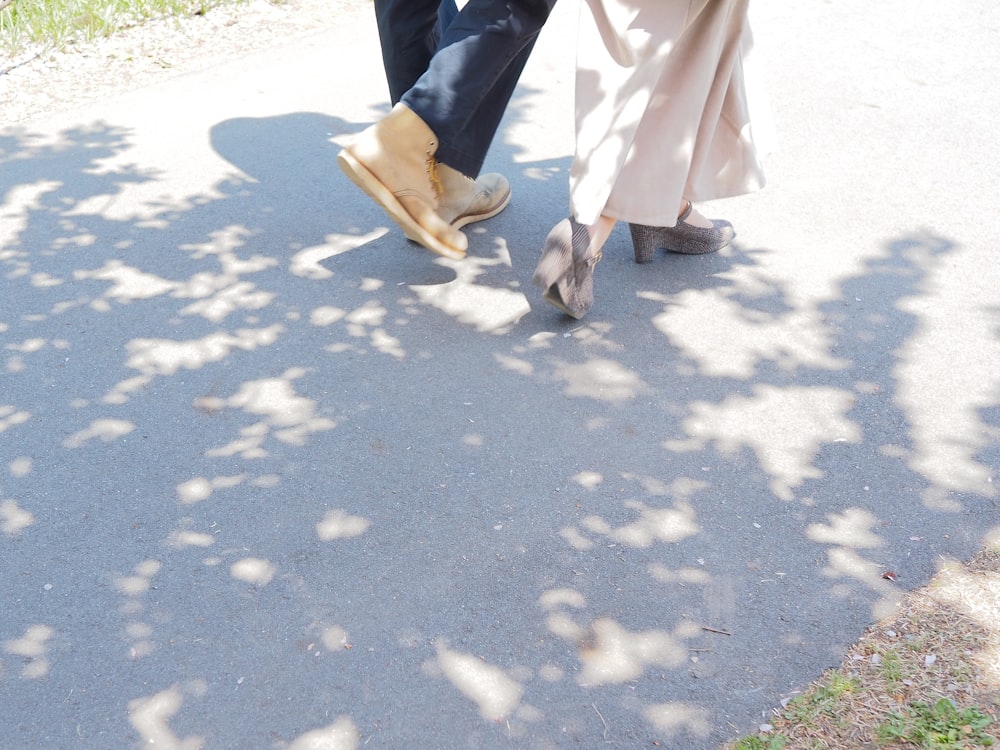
645 242
565 272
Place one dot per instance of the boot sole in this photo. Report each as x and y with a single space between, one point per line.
489 213
466 219
359 174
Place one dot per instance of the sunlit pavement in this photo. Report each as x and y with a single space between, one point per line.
272 477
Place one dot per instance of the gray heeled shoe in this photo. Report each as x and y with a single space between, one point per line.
565 272
683 238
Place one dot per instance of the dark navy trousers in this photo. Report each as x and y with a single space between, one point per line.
458 69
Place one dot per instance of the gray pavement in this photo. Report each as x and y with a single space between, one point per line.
270 477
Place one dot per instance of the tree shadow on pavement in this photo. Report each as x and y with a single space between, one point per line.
272 475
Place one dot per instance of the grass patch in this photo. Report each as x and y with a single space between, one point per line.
823 701
927 677
941 726
774 742
53 24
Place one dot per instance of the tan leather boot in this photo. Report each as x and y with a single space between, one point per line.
464 200
393 162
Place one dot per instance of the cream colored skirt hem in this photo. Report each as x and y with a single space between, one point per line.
662 108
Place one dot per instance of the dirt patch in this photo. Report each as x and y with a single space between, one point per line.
38 81
928 676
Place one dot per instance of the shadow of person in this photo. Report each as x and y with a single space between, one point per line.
291 162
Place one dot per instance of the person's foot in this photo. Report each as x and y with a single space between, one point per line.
565 272
393 163
693 234
464 200
691 216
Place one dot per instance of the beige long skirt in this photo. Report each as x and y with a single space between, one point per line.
662 110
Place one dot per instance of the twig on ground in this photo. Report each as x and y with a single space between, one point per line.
715 630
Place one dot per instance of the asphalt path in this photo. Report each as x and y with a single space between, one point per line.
272 477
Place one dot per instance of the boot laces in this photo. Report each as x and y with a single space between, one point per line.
432 175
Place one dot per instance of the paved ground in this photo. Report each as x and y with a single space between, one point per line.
272 478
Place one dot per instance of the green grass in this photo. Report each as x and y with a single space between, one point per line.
889 694
938 726
52 24
823 700
761 743
892 668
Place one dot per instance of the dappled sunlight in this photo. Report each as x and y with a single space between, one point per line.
105 430
784 427
36 345
326 315
558 621
150 717
682 576
297 483
576 538
852 528
128 284
288 417
274 398
11 416
230 299
140 582
654 524
668 525
515 364
368 322
201 488
947 379
21 466
19 361
588 479
33 649
339 524
341 735
13 518
488 309
795 339
164 357
610 654
308 262
676 717
974 593
222 246
848 532
335 638
492 689
15 211
845 563
138 632
365 325
221 294
218 294
600 379
254 570
180 538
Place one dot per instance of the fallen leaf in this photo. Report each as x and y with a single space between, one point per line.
889 575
